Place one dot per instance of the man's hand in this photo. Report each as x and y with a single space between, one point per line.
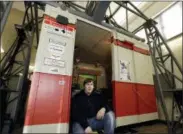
88 130
101 113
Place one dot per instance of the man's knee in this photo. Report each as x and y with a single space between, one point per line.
110 115
77 128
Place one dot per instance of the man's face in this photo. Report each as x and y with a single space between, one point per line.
89 88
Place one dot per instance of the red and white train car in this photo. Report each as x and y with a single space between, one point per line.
48 109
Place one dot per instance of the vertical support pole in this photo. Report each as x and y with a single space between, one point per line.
160 93
36 22
126 17
5 15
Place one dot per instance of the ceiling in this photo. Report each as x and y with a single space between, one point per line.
92 42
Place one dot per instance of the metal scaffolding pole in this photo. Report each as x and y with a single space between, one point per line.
155 43
14 67
5 10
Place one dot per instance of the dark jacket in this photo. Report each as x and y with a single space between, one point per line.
85 107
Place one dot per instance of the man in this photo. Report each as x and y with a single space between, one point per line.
90 112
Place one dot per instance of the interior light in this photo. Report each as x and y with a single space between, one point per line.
2 50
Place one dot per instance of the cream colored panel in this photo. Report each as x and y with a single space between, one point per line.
148 117
121 56
47 128
125 56
126 120
115 70
56 48
132 119
143 68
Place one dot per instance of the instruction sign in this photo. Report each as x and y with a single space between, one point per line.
56 48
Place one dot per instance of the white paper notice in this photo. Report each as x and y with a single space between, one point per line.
125 70
54 62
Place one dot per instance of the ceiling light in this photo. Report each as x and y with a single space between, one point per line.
2 50
31 68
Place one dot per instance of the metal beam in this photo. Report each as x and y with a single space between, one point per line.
5 15
124 6
170 51
114 12
85 16
100 11
36 24
142 14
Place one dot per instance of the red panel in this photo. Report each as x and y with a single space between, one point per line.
129 45
133 99
32 99
49 100
125 102
146 98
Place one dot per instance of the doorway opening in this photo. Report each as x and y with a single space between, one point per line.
92 59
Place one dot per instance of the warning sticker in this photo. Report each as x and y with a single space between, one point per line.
54 62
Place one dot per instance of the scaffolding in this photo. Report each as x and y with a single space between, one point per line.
94 11
12 66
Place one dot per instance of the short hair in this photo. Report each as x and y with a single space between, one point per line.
88 80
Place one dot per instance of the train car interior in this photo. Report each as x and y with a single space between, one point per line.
92 59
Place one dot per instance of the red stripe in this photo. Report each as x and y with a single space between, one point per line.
140 50
133 98
49 99
52 21
124 44
131 46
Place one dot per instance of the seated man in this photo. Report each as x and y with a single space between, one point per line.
90 112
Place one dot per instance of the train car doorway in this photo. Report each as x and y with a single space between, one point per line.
92 59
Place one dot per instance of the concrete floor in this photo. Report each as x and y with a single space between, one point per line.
156 129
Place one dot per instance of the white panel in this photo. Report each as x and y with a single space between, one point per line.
47 128
125 55
115 70
128 120
122 54
143 68
55 50
148 117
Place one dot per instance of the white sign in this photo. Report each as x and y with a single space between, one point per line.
56 56
57 47
54 62
54 70
125 70
58 31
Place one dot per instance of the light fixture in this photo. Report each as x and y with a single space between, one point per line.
31 68
2 50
